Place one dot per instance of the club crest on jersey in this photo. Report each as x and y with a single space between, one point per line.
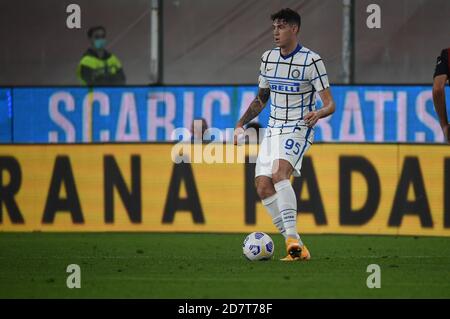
284 86
295 74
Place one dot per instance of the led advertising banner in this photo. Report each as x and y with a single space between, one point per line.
68 115
5 115
344 188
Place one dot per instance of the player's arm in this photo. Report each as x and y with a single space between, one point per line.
318 77
327 109
255 107
440 80
439 103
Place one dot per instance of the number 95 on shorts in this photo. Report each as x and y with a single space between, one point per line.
290 147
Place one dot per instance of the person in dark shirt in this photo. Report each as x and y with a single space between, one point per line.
98 66
441 76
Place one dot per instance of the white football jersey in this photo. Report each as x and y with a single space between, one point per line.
293 81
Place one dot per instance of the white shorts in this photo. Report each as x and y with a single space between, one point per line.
290 147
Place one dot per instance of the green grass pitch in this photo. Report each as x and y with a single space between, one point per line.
157 265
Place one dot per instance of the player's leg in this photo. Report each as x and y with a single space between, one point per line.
268 195
287 202
264 185
291 149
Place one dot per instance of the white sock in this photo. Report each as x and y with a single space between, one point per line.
287 204
270 203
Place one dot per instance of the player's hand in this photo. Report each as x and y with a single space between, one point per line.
311 118
239 130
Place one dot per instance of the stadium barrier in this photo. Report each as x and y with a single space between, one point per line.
398 189
142 114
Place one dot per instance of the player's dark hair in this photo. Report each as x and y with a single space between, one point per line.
288 15
96 28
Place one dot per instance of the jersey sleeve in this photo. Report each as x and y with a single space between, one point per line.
317 74
262 80
442 66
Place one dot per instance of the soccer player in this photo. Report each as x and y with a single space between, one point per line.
290 75
441 76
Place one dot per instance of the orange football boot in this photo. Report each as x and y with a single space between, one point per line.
295 251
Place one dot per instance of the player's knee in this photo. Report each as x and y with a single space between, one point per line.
264 192
264 189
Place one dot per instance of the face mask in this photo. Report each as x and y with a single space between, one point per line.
99 43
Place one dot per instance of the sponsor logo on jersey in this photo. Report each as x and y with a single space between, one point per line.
282 86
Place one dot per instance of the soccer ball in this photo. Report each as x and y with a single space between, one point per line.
258 246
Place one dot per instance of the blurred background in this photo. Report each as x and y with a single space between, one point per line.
199 59
218 42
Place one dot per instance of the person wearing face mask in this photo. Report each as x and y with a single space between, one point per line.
98 66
